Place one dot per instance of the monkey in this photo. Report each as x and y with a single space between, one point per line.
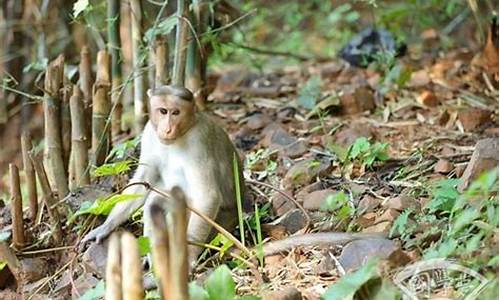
182 147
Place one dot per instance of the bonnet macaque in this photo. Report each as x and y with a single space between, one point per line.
181 147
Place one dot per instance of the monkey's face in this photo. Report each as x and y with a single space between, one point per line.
171 117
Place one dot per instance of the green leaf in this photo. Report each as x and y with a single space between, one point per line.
347 286
463 219
113 169
2 265
79 7
399 225
103 206
249 298
163 28
220 284
334 201
96 293
196 292
361 145
144 245
310 93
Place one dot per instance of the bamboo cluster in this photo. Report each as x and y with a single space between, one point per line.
169 253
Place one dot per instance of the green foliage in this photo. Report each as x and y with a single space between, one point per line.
310 93
113 169
95 293
120 150
338 204
260 251
444 195
350 283
163 28
103 206
144 245
79 7
236 175
401 224
362 151
223 243
2 265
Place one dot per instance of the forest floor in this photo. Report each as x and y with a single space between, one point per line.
356 149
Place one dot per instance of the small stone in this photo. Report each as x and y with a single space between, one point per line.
289 293
382 227
428 98
459 169
484 158
402 202
276 138
287 112
366 220
258 121
34 268
368 204
83 283
472 118
389 215
305 171
95 258
346 137
443 166
419 78
315 200
281 204
356 253
355 100
293 221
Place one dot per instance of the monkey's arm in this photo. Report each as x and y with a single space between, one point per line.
315 239
146 172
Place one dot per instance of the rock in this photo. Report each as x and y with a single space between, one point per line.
82 284
287 112
402 202
472 118
244 139
459 169
293 221
30 288
389 215
281 204
279 139
258 121
289 293
368 204
382 227
443 166
356 253
355 100
305 171
484 158
419 78
10 295
347 136
303 192
326 265
366 220
95 258
315 200
428 98
63 286
34 268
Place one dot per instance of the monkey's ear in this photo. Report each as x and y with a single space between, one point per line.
149 92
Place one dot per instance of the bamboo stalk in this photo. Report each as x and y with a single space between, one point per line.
48 198
114 269
66 123
30 175
132 288
101 107
78 139
114 46
161 62
196 60
181 42
140 107
160 248
85 70
178 243
16 206
52 111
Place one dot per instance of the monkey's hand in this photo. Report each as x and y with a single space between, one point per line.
98 234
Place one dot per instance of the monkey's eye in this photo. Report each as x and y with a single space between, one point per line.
163 111
176 112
